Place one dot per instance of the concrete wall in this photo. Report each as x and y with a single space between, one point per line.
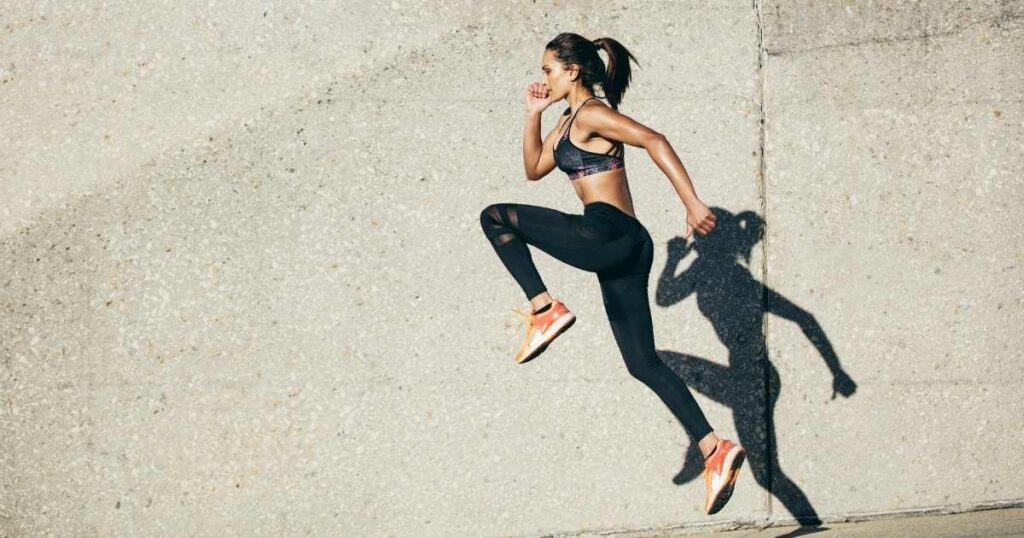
240 265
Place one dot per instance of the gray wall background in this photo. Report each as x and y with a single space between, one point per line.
243 287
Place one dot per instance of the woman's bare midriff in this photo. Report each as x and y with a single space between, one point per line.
609 187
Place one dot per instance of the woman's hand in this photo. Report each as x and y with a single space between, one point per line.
842 384
678 248
538 97
699 218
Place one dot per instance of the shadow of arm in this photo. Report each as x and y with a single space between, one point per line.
672 289
784 308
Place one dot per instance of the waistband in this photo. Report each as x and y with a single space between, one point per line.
595 206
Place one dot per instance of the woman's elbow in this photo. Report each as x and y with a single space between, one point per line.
653 140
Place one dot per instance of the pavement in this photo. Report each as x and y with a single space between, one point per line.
987 523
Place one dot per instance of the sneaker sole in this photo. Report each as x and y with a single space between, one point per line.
733 466
560 325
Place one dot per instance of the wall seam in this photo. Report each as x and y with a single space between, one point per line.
763 195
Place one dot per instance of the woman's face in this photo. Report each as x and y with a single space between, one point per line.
558 79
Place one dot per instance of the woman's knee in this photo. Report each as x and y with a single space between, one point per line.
492 214
645 365
493 221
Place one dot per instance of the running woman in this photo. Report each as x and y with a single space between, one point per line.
606 239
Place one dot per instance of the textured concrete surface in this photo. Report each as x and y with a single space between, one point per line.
240 260
894 176
979 523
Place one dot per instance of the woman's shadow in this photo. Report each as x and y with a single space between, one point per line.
735 304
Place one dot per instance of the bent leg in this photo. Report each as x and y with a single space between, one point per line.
500 225
628 308
564 236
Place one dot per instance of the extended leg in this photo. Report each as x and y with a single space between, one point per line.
626 303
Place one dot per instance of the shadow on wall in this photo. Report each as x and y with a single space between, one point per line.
735 304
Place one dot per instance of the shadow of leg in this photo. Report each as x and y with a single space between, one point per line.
708 378
765 462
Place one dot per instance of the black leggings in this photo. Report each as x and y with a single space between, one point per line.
616 246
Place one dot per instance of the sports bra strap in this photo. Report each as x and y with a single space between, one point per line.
578 110
568 124
611 151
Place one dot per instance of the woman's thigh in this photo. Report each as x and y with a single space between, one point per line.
624 290
588 244
636 268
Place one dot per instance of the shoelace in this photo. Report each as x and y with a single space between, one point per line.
529 317
526 316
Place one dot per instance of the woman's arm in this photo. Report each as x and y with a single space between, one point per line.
538 158
612 125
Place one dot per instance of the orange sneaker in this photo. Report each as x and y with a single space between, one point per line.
720 472
542 329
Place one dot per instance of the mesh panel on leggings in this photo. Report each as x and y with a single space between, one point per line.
497 226
500 223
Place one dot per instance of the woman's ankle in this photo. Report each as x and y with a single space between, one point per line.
710 440
541 302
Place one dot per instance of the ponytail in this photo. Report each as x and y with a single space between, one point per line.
574 49
618 73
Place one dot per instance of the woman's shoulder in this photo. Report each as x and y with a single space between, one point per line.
594 103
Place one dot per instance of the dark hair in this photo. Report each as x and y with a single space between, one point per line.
573 48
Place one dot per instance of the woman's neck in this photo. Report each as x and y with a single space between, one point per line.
574 104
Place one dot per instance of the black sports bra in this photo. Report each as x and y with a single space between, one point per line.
578 162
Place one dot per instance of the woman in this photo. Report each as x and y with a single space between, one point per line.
607 239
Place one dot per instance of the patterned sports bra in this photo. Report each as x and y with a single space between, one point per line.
578 162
